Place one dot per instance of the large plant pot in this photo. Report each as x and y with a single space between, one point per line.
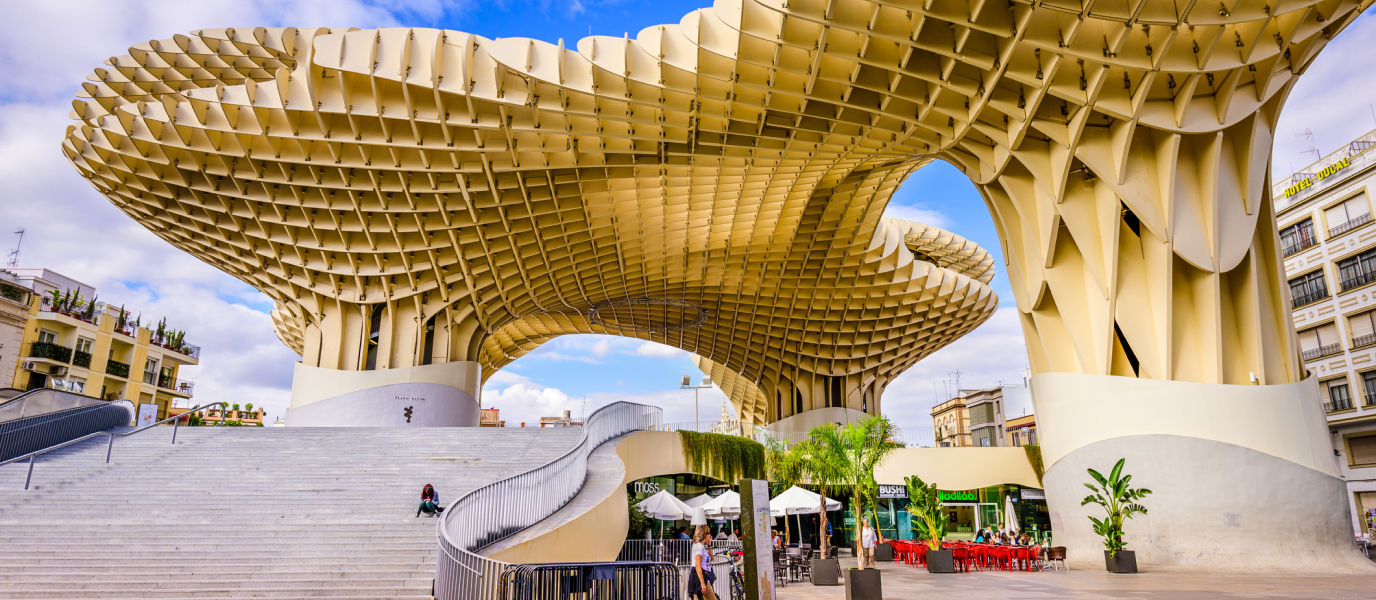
883 552
863 584
1124 562
826 571
940 561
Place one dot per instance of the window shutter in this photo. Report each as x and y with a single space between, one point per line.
1328 334
1357 206
1309 340
1361 325
1363 449
1337 215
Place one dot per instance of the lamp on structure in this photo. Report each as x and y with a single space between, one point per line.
687 384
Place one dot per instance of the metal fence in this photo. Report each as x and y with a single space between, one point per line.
590 581
29 434
503 508
678 552
721 567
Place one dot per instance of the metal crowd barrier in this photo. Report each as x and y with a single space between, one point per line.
503 508
674 551
721 566
29 434
590 581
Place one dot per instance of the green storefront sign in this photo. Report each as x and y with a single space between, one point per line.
969 496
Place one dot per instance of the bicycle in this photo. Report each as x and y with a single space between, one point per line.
737 578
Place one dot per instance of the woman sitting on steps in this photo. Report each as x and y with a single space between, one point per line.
429 502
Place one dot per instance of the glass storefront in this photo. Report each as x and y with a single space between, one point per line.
968 511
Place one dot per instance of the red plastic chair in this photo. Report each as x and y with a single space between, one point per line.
922 554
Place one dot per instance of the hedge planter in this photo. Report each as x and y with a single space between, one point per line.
863 584
883 552
826 571
940 561
1124 562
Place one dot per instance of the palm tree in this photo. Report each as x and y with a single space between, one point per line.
823 466
785 468
849 455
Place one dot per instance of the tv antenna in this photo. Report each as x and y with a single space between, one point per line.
1309 136
14 254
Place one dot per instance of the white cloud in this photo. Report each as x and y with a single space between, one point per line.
561 357
657 350
1334 99
917 213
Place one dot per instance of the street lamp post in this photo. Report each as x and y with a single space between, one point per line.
687 384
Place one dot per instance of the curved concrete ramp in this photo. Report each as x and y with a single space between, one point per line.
593 526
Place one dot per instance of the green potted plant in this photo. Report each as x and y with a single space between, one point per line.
924 503
1120 502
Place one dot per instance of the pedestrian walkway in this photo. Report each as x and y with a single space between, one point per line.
903 582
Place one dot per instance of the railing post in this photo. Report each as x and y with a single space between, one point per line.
175 423
30 476
110 448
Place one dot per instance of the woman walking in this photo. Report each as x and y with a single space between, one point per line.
429 502
701 577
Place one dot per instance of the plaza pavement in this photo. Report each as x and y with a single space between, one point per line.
903 582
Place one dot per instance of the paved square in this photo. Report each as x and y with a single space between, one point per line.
904 582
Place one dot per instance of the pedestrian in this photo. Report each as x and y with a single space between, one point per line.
429 502
867 541
700 578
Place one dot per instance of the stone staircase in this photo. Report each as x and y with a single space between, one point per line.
252 512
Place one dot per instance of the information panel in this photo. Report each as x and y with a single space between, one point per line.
758 543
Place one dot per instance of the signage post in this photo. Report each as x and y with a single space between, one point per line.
758 543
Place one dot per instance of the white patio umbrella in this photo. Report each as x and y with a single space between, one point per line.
798 501
1010 515
697 501
665 507
725 506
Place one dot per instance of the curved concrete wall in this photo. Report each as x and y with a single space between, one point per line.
958 468
441 395
1242 476
1214 506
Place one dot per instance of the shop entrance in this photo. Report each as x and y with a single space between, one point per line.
964 519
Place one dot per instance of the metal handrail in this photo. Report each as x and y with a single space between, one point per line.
504 508
109 449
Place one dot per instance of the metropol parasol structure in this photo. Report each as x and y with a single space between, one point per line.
426 206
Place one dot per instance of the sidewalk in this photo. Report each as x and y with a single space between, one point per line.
902 582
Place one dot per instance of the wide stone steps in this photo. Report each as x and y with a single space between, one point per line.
247 512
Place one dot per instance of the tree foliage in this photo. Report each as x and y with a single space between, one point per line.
924 504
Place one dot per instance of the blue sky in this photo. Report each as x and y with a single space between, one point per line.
75 231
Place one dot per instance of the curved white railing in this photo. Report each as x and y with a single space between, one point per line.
503 508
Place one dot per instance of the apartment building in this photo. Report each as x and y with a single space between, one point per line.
72 340
951 421
990 409
1328 245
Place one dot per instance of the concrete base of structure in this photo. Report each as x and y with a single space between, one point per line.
1242 476
440 395
795 428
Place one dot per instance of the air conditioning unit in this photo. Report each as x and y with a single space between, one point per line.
58 371
30 365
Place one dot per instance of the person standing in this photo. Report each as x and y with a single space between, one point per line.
700 578
867 541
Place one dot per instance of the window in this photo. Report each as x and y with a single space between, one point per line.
84 345
1369 383
47 337
1319 341
1361 450
150 370
1310 287
1297 237
1338 395
374 335
1358 270
1362 328
1351 214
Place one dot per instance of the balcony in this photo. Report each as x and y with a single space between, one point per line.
50 351
1321 351
116 368
1349 226
1363 340
175 345
1296 244
177 386
14 294
1311 297
1359 280
81 359
1370 401
1333 406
